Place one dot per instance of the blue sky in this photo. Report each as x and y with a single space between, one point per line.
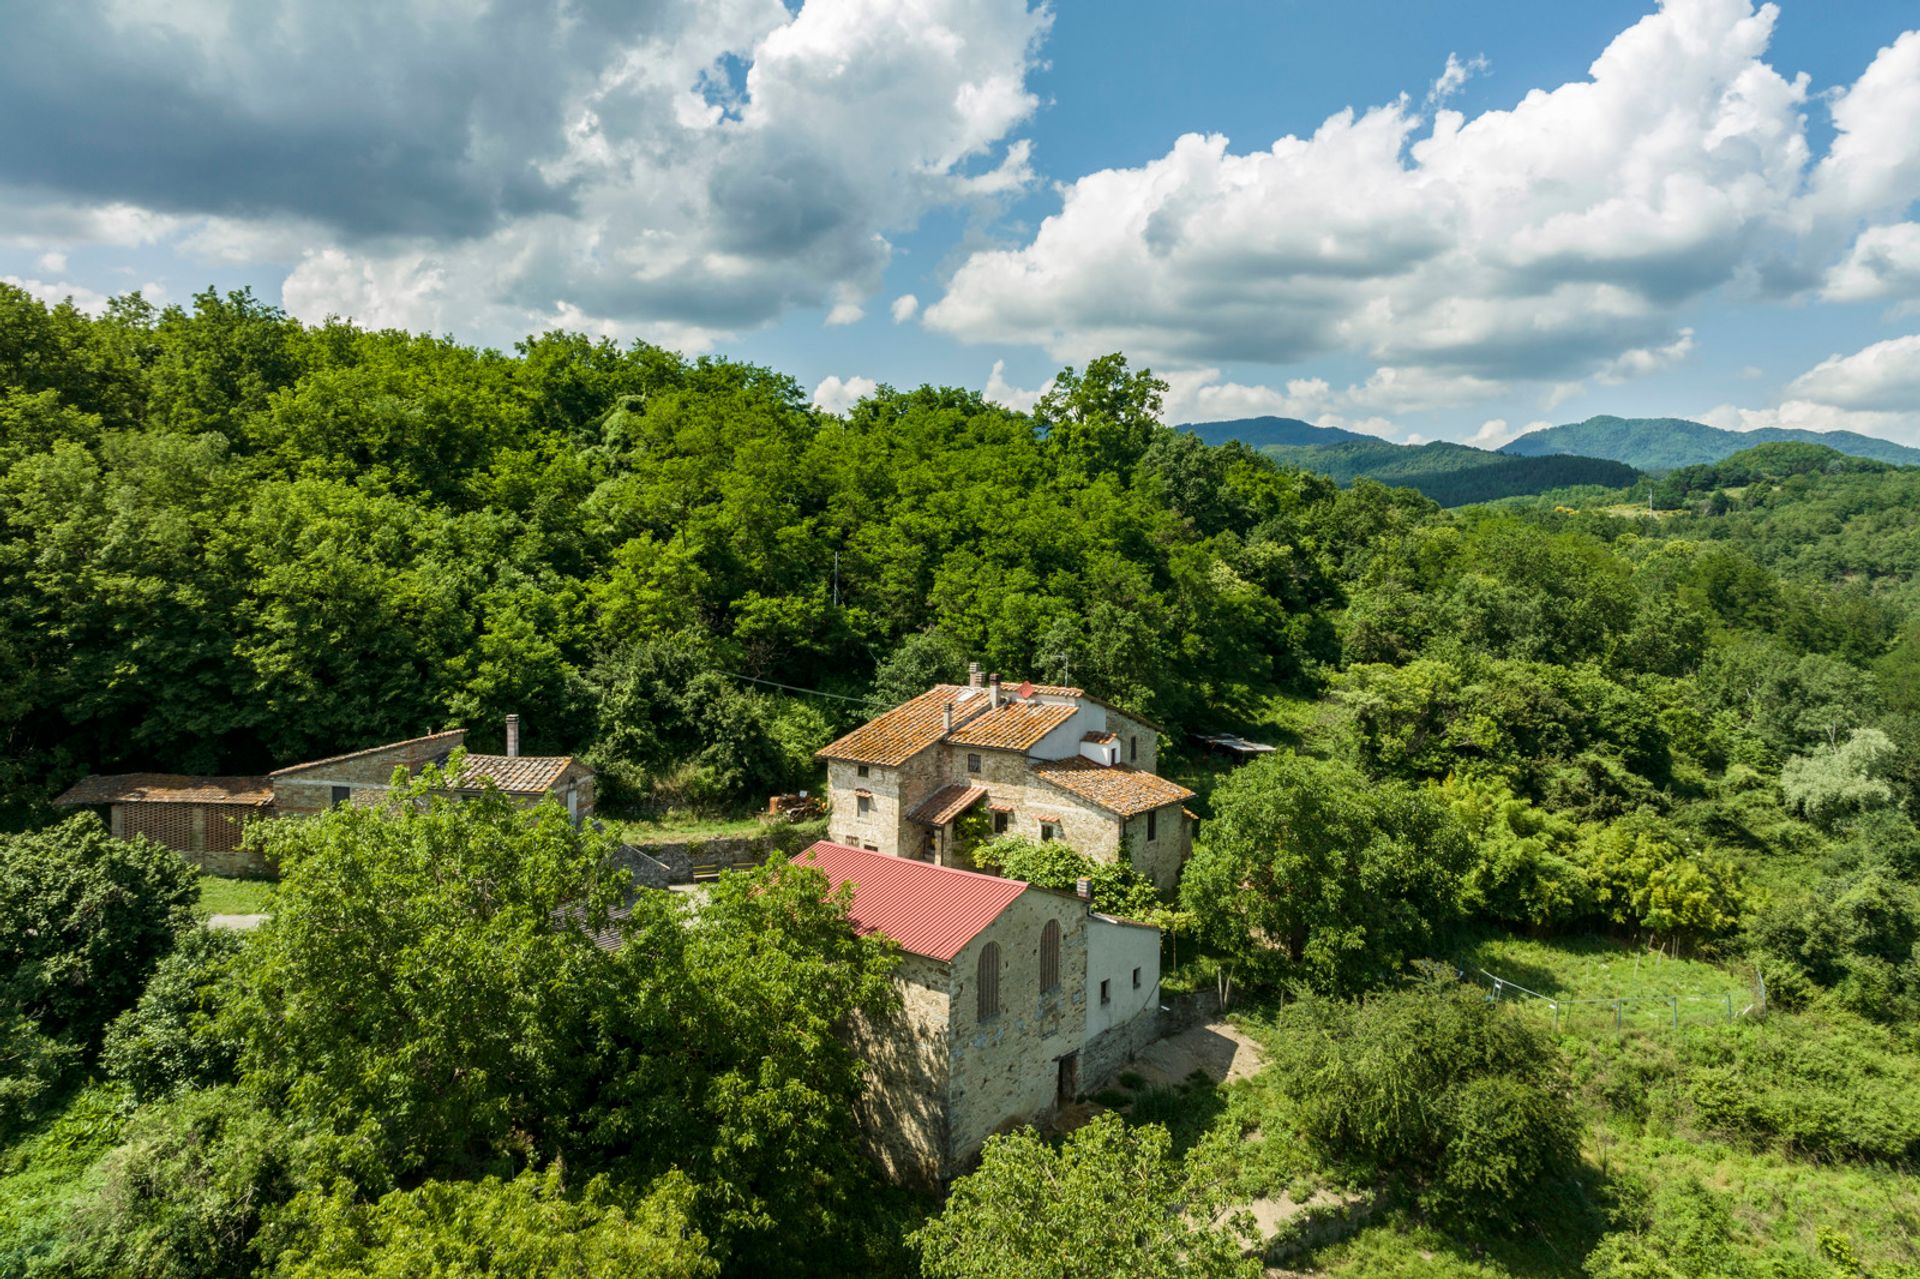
1420 219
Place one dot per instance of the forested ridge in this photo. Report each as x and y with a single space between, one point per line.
1596 749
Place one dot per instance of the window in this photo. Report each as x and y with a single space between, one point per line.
973 763
872 848
999 823
1133 749
1048 832
1050 957
862 770
1136 979
343 794
987 984
1152 826
1106 991
864 804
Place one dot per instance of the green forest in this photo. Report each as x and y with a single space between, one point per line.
1576 919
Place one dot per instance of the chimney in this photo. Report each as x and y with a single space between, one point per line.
1083 889
993 683
949 716
973 675
513 736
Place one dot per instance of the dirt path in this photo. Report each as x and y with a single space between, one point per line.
1217 1049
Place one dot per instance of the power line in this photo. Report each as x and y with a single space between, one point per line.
791 688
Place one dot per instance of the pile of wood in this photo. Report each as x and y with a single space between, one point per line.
794 808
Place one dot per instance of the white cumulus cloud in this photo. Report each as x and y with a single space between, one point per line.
1884 377
904 308
1557 240
836 394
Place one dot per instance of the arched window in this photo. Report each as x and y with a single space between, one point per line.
1050 957
989 981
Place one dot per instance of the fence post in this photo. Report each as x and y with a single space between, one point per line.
1729 1008
1676 1012
1556 1018
1616 1016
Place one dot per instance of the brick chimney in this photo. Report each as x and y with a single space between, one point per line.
513 736
973 675
949 716
993 684
1083 888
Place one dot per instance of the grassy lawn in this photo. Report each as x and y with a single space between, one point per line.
677 826
225 895
1605 968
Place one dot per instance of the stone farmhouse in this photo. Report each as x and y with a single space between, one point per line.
1046 761
1014 999
203 817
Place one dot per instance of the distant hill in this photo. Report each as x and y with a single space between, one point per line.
1450 474
1271 432
1664 443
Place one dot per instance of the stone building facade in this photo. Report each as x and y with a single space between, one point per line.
1043 761
994 1026
203 818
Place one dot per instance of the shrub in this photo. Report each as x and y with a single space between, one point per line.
172 1038
526 1228
1461 1103
1109 1200
84 918
184 1195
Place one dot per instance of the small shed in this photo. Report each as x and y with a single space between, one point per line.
200 817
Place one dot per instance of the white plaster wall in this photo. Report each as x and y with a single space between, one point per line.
1114 950
1065 740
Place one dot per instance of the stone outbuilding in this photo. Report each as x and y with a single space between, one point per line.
1040 760
202 817
1014 999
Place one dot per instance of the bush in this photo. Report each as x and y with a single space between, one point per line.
1117 888
183 1197
1645 873
172 1038
84 918
526 1228
1107 1201
1461 1103
31 1067
1824 1087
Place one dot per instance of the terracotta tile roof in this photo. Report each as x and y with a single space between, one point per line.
898 735
909 728
1014 727
1118 788
930 910
167 788
445 741
946 804
1099 737
514 774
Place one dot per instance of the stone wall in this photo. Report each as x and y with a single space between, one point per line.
1108 1053
1139 745
1006 1070
1086 828
369 774
894 792
902 1111
1162 857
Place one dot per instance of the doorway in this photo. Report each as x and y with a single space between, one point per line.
1069 1087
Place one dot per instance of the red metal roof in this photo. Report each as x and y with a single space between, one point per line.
930 910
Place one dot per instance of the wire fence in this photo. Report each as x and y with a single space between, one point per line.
1622 1013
